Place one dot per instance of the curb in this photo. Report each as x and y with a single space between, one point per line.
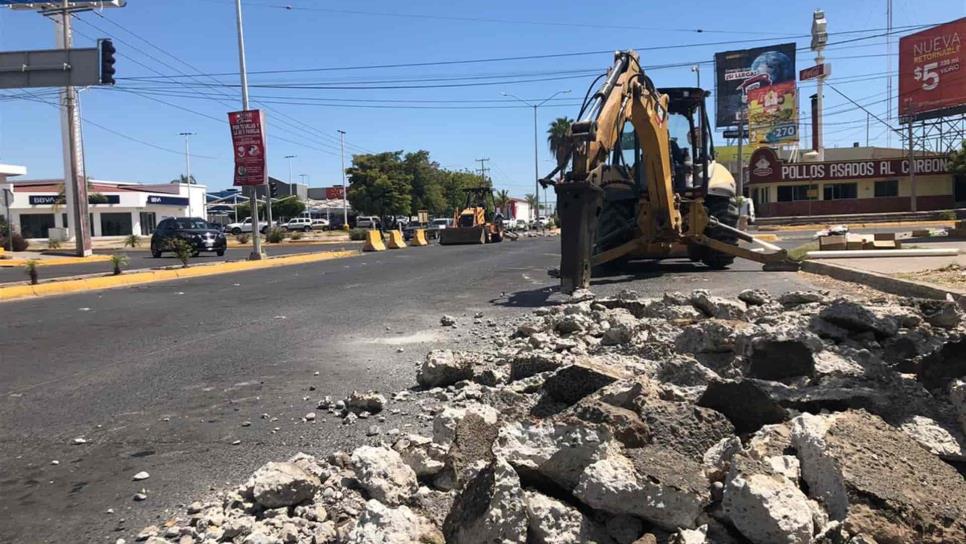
882 282
12 292
55 261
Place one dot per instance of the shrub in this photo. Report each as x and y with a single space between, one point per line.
132 240
31 269
357 234
53 244
19 243
275 235
118 260
183 250
242 238
296 235
948 215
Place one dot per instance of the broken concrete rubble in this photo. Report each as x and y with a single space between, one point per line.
687 418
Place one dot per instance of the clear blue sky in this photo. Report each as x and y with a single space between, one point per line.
326 34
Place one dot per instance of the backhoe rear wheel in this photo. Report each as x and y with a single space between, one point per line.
615 215
725 210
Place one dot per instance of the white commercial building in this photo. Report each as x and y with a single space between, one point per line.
116 208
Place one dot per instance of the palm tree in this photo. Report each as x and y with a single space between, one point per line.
185 179
502 199
557 138
532 203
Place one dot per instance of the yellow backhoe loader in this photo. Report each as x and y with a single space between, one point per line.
643 182
474 223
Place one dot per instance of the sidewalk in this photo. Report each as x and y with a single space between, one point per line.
926 277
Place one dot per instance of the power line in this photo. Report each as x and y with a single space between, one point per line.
895 30
295 130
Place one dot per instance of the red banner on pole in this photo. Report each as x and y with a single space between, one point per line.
248 142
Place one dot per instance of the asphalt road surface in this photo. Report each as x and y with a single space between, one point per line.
161 377
142 259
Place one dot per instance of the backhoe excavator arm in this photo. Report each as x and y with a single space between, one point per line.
627 94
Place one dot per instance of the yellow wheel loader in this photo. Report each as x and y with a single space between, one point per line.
643 182
474 223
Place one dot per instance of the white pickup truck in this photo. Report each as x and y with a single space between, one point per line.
246 226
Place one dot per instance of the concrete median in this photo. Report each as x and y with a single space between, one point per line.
76 285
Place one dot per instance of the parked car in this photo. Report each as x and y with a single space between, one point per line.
522 224
246 226
509 224
198 232
368 222
305 224
541 223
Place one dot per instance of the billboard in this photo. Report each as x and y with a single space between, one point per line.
931 75
773 114
334 192
248 143
737 72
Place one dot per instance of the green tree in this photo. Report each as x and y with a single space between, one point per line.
502 199
454 184
380 185
557 138
427 183
532 203
185 179
957 161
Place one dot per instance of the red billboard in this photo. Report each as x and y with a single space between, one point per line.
931 72
333 193
248 143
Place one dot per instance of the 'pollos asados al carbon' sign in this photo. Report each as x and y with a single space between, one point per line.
766 167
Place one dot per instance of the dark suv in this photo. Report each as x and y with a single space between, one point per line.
202 235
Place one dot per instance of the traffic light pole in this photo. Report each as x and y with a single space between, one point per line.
256 254
75 178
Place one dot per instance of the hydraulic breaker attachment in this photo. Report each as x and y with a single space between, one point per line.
578 205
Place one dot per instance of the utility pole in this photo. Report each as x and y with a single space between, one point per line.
912 169
888 38
345 192
75 175
243 70
483 168
536 154
867 129
290 157
187 165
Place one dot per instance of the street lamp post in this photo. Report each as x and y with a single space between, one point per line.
243 71
290 157
536 154
187 165
345 196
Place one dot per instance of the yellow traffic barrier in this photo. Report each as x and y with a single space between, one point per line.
419 238
396 240
374 241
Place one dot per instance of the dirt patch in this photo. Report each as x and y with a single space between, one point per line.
953 275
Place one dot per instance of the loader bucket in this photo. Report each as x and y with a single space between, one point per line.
462 235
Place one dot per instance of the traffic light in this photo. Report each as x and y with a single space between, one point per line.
273 188
106 49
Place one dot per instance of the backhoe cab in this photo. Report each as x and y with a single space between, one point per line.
643 183
474 223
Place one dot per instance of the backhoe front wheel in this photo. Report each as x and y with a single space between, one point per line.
725 210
